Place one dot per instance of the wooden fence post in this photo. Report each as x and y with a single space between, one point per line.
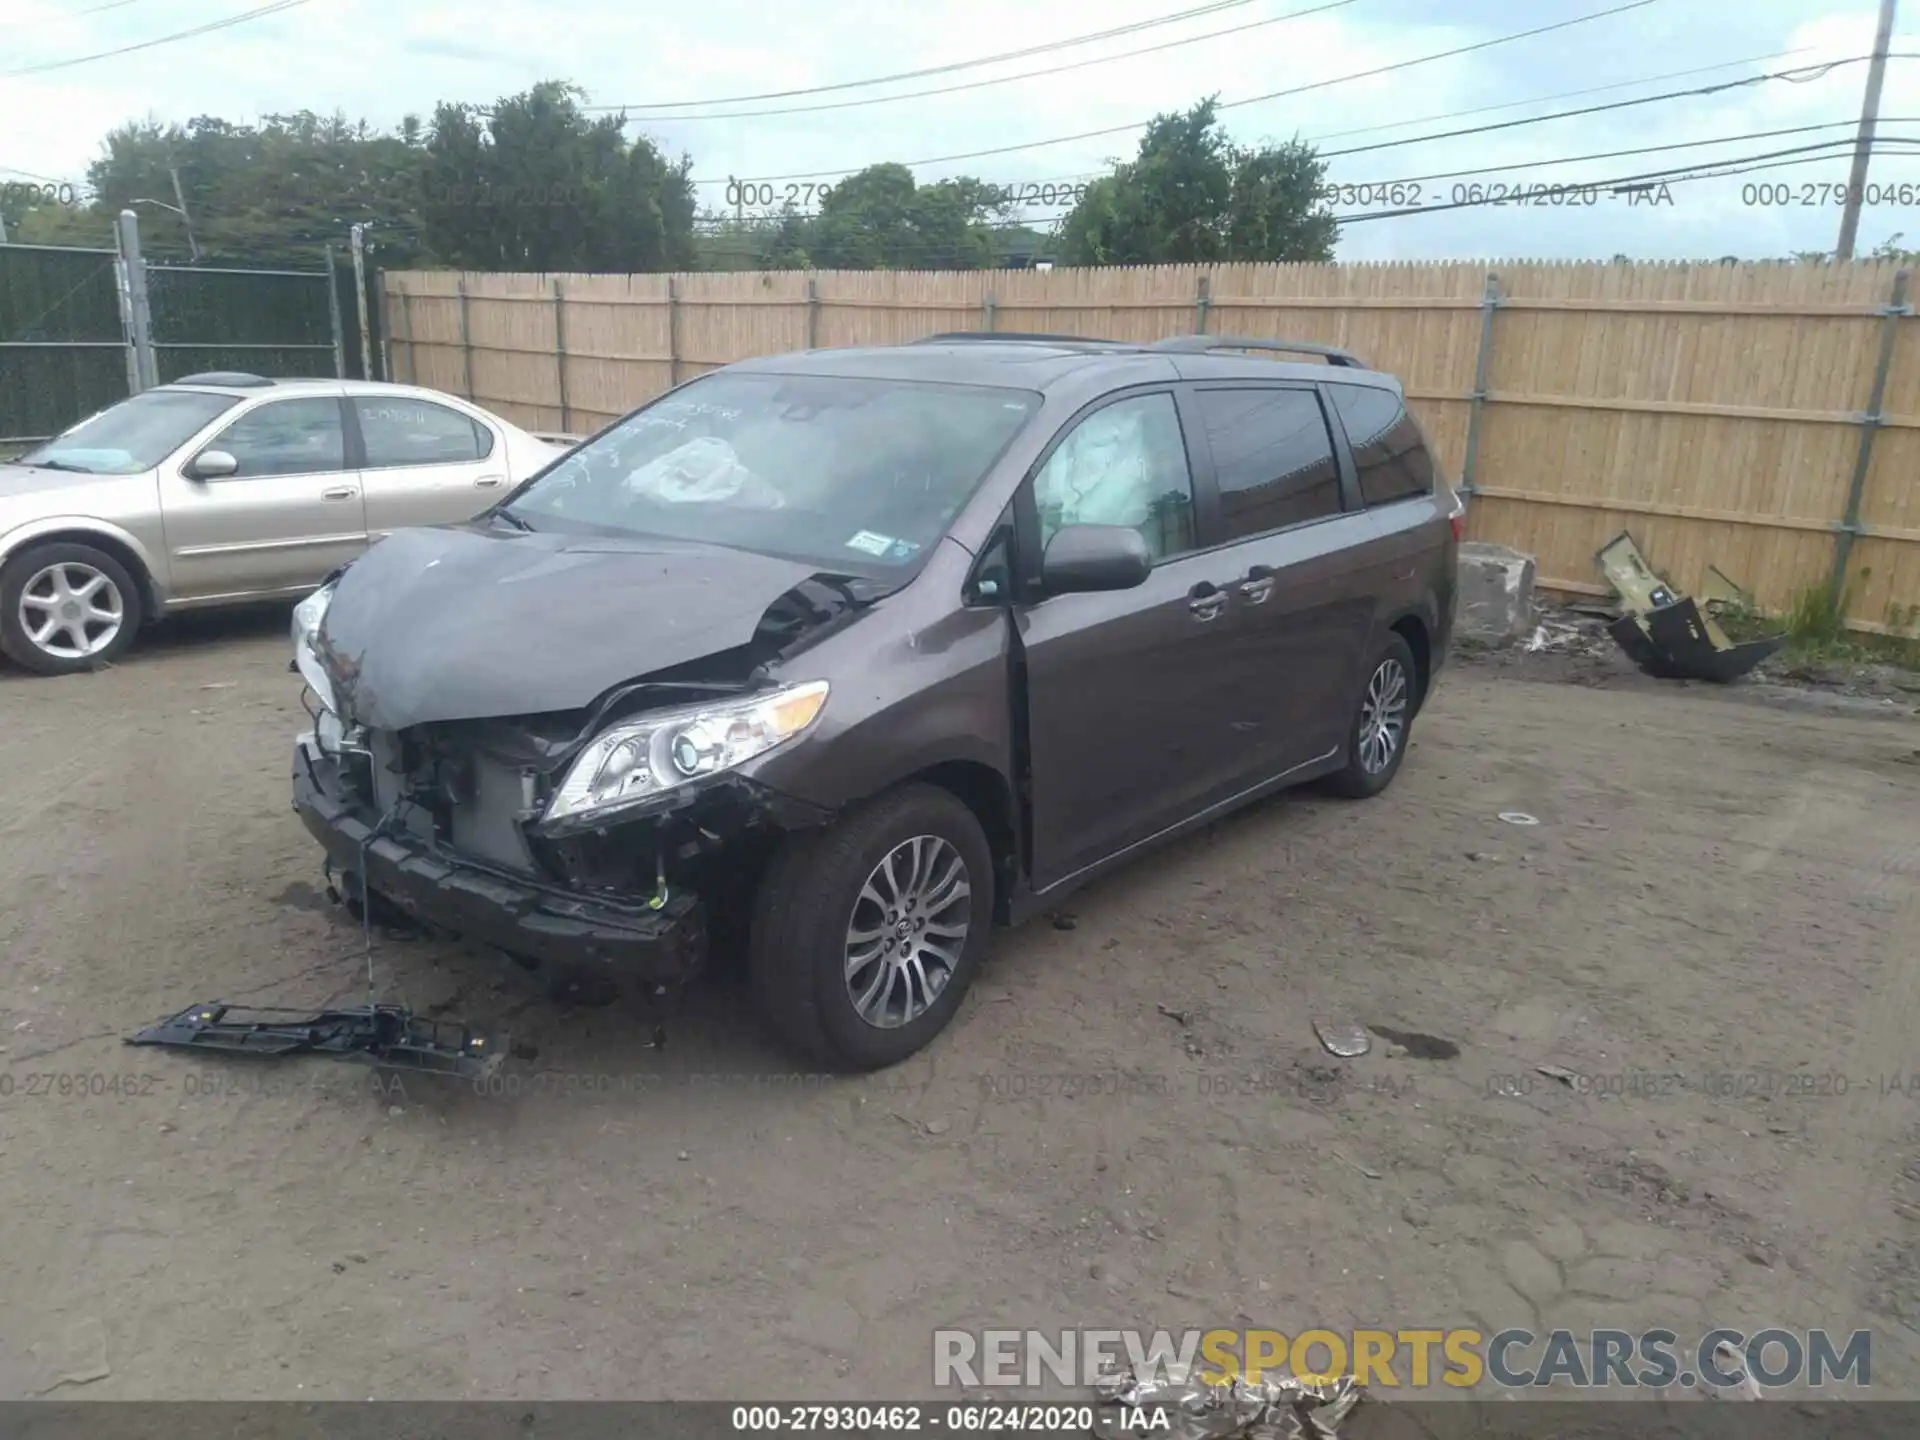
813 314
406 315
1870 420
1489 302
986 312
560 353
1202 302
466 340
673 332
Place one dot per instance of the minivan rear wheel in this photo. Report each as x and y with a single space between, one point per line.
867 934
1382 723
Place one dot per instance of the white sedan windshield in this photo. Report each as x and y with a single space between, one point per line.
135 435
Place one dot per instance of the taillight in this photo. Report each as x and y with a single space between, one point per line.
1457 517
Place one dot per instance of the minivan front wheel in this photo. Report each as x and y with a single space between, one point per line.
1382 723
866 934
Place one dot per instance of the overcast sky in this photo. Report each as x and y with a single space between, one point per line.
382 59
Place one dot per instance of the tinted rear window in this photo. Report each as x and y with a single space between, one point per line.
1387 449
1272 458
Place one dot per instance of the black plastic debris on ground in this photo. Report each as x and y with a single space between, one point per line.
386 1035
1664 632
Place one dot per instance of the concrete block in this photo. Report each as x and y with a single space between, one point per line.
1496 594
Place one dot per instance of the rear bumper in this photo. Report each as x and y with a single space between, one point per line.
515 913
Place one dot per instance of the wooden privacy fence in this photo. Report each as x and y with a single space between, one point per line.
1761 418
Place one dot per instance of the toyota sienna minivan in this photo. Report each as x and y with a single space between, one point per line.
851 656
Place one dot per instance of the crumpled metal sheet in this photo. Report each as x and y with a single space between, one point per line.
1278 1407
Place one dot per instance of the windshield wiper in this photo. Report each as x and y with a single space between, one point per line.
508 517
59 465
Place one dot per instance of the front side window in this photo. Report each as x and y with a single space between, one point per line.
399 430
1387 449
286 437
1125 464
135 435
1273 457
863 475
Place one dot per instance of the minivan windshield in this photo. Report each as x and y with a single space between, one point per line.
135 435
860 474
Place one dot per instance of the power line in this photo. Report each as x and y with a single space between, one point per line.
1611 105
257 14
1235 104
998 80
1067 44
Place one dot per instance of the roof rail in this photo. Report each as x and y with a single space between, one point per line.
950 336
1203 344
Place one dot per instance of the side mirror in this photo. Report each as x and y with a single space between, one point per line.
1083 558
212 465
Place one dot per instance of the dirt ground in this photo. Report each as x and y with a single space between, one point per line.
1131 1122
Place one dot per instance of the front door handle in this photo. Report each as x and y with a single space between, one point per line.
487 482
1258 585
1206 601
339 492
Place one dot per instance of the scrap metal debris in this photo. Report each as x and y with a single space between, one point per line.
387 1035
1666 633
1277 1407
1346 1041
1518 817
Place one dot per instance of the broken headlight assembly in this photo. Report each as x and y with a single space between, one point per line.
307 616
636 760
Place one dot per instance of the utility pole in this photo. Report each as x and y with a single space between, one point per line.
180 199
357 239
1863 142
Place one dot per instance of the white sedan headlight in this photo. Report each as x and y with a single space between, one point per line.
307 616
650 754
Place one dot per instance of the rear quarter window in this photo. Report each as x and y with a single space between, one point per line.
1391 458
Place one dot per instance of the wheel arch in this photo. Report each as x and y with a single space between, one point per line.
101 535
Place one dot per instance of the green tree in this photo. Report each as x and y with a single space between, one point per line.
1191 195
533 183
267 193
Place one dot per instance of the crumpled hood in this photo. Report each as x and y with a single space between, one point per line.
465 623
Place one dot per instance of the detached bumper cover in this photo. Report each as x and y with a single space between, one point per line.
511 912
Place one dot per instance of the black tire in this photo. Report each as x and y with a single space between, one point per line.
29 563
804 908
1358 779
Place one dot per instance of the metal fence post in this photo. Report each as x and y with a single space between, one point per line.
143 372
813 313
333 318
357 242
560 353
673 332
466 339
1870 420
1489 302
1202 302
986 311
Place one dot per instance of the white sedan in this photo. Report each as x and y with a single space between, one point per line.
226 488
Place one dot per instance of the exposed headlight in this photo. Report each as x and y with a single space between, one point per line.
307 616
651 754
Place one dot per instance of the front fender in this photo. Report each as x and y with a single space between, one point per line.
79 527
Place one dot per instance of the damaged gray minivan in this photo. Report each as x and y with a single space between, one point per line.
849 656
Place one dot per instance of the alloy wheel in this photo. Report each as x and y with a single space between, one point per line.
70 610
1383 716
908 931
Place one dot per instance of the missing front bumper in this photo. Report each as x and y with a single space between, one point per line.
529 919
